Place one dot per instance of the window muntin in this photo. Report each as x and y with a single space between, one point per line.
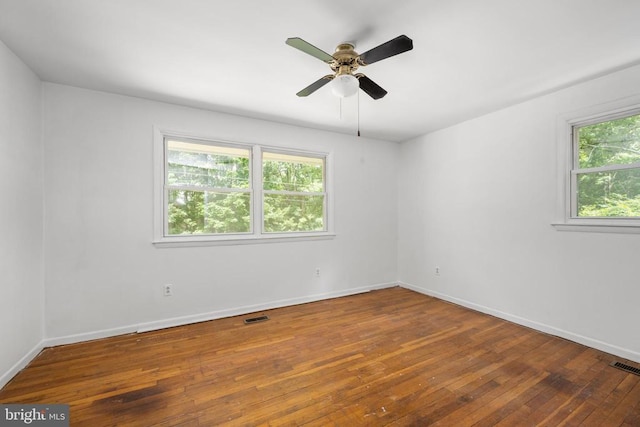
294 197
208 189
605 179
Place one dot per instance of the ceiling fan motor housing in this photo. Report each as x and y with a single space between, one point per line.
345 60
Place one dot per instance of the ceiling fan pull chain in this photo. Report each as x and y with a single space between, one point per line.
358 114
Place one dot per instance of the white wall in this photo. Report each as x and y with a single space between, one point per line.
478 200
104 276
21 213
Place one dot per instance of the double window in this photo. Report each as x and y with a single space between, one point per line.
215 191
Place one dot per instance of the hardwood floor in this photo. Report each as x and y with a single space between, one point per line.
390 357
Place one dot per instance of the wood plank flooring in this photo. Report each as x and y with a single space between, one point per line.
390 357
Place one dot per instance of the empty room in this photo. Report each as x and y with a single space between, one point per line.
323 212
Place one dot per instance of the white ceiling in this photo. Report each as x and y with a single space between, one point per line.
470 57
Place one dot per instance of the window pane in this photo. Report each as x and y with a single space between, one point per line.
608 143
204 165
285 172
609 194
286 212
204 212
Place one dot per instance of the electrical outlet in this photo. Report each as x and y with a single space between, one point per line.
317 272
167 290
437 271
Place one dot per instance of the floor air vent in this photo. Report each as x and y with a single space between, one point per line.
626 368
258 319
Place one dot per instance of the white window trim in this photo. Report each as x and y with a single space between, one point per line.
160 239
567 221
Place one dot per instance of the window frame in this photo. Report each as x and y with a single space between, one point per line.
219 190
161 238
568 168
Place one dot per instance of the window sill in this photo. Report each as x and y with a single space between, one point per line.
194 241
591 226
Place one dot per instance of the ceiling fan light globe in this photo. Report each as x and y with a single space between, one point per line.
345 85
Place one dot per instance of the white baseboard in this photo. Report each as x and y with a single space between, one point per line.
89 336
21 364
203 317
581 339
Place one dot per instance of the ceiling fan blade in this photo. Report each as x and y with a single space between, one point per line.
393 47
315 85
370 87
310 49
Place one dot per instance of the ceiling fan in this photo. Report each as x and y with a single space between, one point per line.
345 61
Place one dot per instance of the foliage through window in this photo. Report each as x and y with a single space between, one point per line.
293 192
605 178
216 189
